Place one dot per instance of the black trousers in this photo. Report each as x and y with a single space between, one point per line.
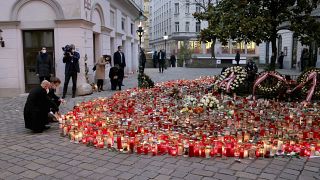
74 76
161 65
143 66
42 78
115 83
100 84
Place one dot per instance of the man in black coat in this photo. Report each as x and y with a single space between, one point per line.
162 60
119 59
44 65
37 108
71 59
237 58
115 76
280 60
143 59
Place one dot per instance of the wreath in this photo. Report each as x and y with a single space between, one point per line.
232 79
303 78
144 81
271 86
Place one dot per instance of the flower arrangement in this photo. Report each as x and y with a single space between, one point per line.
190 101
144 81
232 79
304 77
272 83
210 101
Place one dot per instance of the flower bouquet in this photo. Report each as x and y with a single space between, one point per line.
232 79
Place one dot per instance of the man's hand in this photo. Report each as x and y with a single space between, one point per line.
62 100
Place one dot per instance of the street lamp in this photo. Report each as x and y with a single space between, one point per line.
165 37
140 32
1 39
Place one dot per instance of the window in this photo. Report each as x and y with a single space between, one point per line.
251 48
187 8
123 24
176 8
198 26
111 18
225 49
238 47
187 26
177 26
131 28
198 8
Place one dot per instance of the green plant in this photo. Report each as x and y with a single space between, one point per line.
184 53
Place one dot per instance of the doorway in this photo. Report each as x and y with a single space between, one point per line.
33 41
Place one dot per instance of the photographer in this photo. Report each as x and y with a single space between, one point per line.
71 59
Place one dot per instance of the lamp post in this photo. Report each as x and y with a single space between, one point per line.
140 32
165 37
1 39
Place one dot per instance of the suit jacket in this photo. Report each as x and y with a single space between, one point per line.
44 65
117 59
163 55
72 63
36 109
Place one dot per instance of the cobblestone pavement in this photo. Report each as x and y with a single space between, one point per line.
24 155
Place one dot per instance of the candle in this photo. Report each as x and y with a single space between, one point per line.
139 149
146 149
208 150
119 143
180 149
191 148
131 145
174 151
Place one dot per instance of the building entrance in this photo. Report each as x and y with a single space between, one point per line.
33 41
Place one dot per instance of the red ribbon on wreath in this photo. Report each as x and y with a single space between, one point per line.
312 76
262 78
228 80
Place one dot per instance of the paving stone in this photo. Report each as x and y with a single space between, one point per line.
47 170
125 175
238 167
60 174
227 171
112 173
272 171
96 176
293 172
202 172
246 175
183 163
33 166
197 165
211 168
85 173
295 167
165 171
208 178
179 174
136 171
309 173
140 178
268 176
224 176
310 168
193 177
149 174
16 169
157 163
288 176
163 177
29 174
253 170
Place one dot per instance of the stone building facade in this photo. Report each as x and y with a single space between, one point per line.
96 27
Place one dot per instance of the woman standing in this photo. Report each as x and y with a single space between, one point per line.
100 70
44 65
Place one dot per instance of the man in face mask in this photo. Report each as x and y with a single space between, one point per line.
72 69
119 59
37 108
44 65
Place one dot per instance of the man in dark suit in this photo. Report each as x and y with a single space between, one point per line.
37 108
119 59
162 60
71 59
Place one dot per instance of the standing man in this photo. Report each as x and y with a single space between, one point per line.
155 59
71 59
280 60
44 65
119 58
173 60
143 59
162 60
237 58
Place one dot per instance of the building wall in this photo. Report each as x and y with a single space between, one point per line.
73 21
163 19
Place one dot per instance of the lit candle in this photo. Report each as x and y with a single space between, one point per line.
174 151
180 149
191 148
208 151
119 143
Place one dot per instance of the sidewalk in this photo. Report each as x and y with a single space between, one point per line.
24 155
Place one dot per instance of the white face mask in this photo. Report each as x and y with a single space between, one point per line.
47 91
72 50
43 51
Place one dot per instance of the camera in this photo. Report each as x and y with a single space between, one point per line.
67 49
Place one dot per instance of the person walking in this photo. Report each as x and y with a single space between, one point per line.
280 60
72 68
100 70
155 59
173 60
44 64
237 58
304 59
162 58
37 107
143 59
119 59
